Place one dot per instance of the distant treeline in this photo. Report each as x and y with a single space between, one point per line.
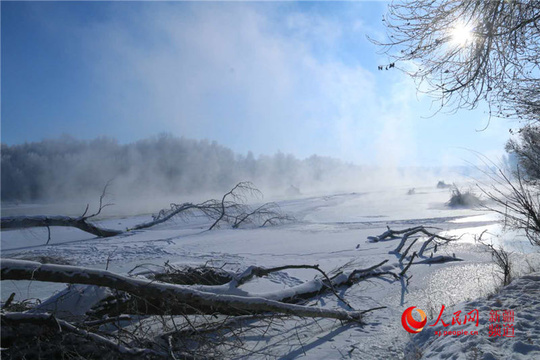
67 168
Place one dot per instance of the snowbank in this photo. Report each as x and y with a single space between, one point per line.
522 297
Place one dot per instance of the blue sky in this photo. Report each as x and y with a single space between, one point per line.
299 78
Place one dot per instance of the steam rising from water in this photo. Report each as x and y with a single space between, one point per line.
151 173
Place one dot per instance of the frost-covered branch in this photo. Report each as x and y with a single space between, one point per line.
405 234
394 234
416 230
80 222
178 299
22 222
234 211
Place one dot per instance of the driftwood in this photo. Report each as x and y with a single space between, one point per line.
234 211
416 230
125 303
393 234
21 222
438 259
425 244
222 306
179 299
405 235
81 222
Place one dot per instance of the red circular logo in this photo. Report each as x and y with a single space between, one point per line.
410 324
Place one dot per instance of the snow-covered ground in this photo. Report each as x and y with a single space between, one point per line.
500 335
330 231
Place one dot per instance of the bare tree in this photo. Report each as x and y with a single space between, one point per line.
465 52
238 195
501 258
526 150
517 201
232 209
416 233
81 222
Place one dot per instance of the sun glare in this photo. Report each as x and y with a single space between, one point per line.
461 35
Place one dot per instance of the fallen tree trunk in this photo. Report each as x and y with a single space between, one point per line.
81 222
424 246
313 287
234 211
439 259
123 303
176 299
392 234
165 216
21 222
415 230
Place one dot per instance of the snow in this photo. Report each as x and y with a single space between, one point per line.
74 301
331 231
522 296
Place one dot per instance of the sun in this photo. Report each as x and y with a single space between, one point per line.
461 35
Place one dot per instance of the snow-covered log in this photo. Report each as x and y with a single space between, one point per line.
163 216
121 304
82 223
235 212
412 231
424 245
315 286
439 259
175 299
392 234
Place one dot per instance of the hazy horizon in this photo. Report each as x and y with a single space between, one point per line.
293 77
165 168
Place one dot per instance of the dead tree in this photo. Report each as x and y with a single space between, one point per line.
392 234
215 297
232 209
517 200
266 212
180 300
501 258
405 234
81 222
413 231
238 194
203 311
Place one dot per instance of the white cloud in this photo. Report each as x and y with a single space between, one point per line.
226 73
254 78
